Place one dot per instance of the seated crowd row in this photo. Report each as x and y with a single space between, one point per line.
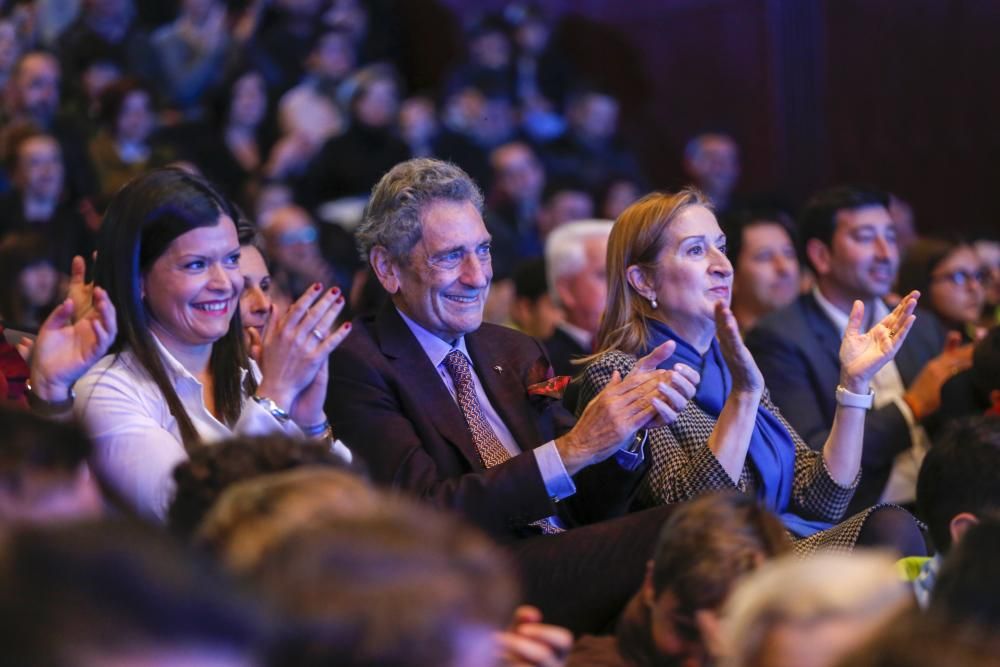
626 502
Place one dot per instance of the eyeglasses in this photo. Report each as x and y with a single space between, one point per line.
963 277
304 235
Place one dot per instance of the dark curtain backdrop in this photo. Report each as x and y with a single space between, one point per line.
903 94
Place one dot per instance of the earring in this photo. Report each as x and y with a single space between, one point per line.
652 302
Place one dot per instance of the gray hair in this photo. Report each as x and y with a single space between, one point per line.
392 216
862 586
564 251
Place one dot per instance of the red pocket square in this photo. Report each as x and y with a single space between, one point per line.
551 388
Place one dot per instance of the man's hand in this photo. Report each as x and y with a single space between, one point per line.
530 643
924 393
65 349
646 397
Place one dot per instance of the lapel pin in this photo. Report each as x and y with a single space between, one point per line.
498 369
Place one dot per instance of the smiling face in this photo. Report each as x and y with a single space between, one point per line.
863 257
191 290
692 275
958 303
445 280
255 301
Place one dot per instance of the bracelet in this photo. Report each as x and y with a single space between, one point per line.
317 429
47 408
849 399
272 407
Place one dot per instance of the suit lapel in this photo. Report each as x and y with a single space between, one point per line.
427 389
505 389
826 334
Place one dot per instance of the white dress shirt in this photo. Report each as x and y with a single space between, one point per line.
889 388
137 443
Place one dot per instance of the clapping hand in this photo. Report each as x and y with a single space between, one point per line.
65 348
530 643
294 354
863 354
747 377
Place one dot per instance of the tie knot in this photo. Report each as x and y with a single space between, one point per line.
456 363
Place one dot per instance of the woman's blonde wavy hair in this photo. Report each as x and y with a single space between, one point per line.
637 238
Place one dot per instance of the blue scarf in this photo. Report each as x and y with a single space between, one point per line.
772 450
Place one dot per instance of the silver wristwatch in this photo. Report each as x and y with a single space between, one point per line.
273 408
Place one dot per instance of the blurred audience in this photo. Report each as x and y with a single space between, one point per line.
951 277
575 261
812 612
712 162
762 248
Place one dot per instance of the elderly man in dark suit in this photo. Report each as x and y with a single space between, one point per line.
463 414
850 242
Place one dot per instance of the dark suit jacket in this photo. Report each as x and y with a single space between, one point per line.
797 350
562 349
387 402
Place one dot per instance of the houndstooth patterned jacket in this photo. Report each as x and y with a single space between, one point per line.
683 467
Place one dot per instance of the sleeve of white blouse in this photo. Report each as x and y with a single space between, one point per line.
134 454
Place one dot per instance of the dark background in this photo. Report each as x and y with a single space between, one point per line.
901 94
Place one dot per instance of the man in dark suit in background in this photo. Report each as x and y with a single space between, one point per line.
575 261
850 242
459 412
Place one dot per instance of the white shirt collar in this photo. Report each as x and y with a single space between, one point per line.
434 347
840 318
582 337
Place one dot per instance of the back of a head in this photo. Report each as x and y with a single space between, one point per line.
967 589
920 640
401 585
959 474
252 516
818 219
88 594
41 474
210 470
860 588
710 542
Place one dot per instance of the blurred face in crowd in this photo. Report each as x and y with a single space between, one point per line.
198 10
518 173
135 119
715 165
491 50
334 56
192 290
692 274
36 88
989 257
767 270
444 282
583 294
957 290
377 104
620 196
255 301
39 168
38 284
417 123
291 238
249 101
595 117
10 47
562 207
98 77
862 259
532 36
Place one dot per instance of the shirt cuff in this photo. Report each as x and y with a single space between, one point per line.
630 460
558 483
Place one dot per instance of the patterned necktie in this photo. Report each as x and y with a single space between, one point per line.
491 450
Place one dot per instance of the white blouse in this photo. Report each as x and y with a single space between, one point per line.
137 443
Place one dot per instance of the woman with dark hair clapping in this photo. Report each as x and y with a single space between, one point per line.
179 374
